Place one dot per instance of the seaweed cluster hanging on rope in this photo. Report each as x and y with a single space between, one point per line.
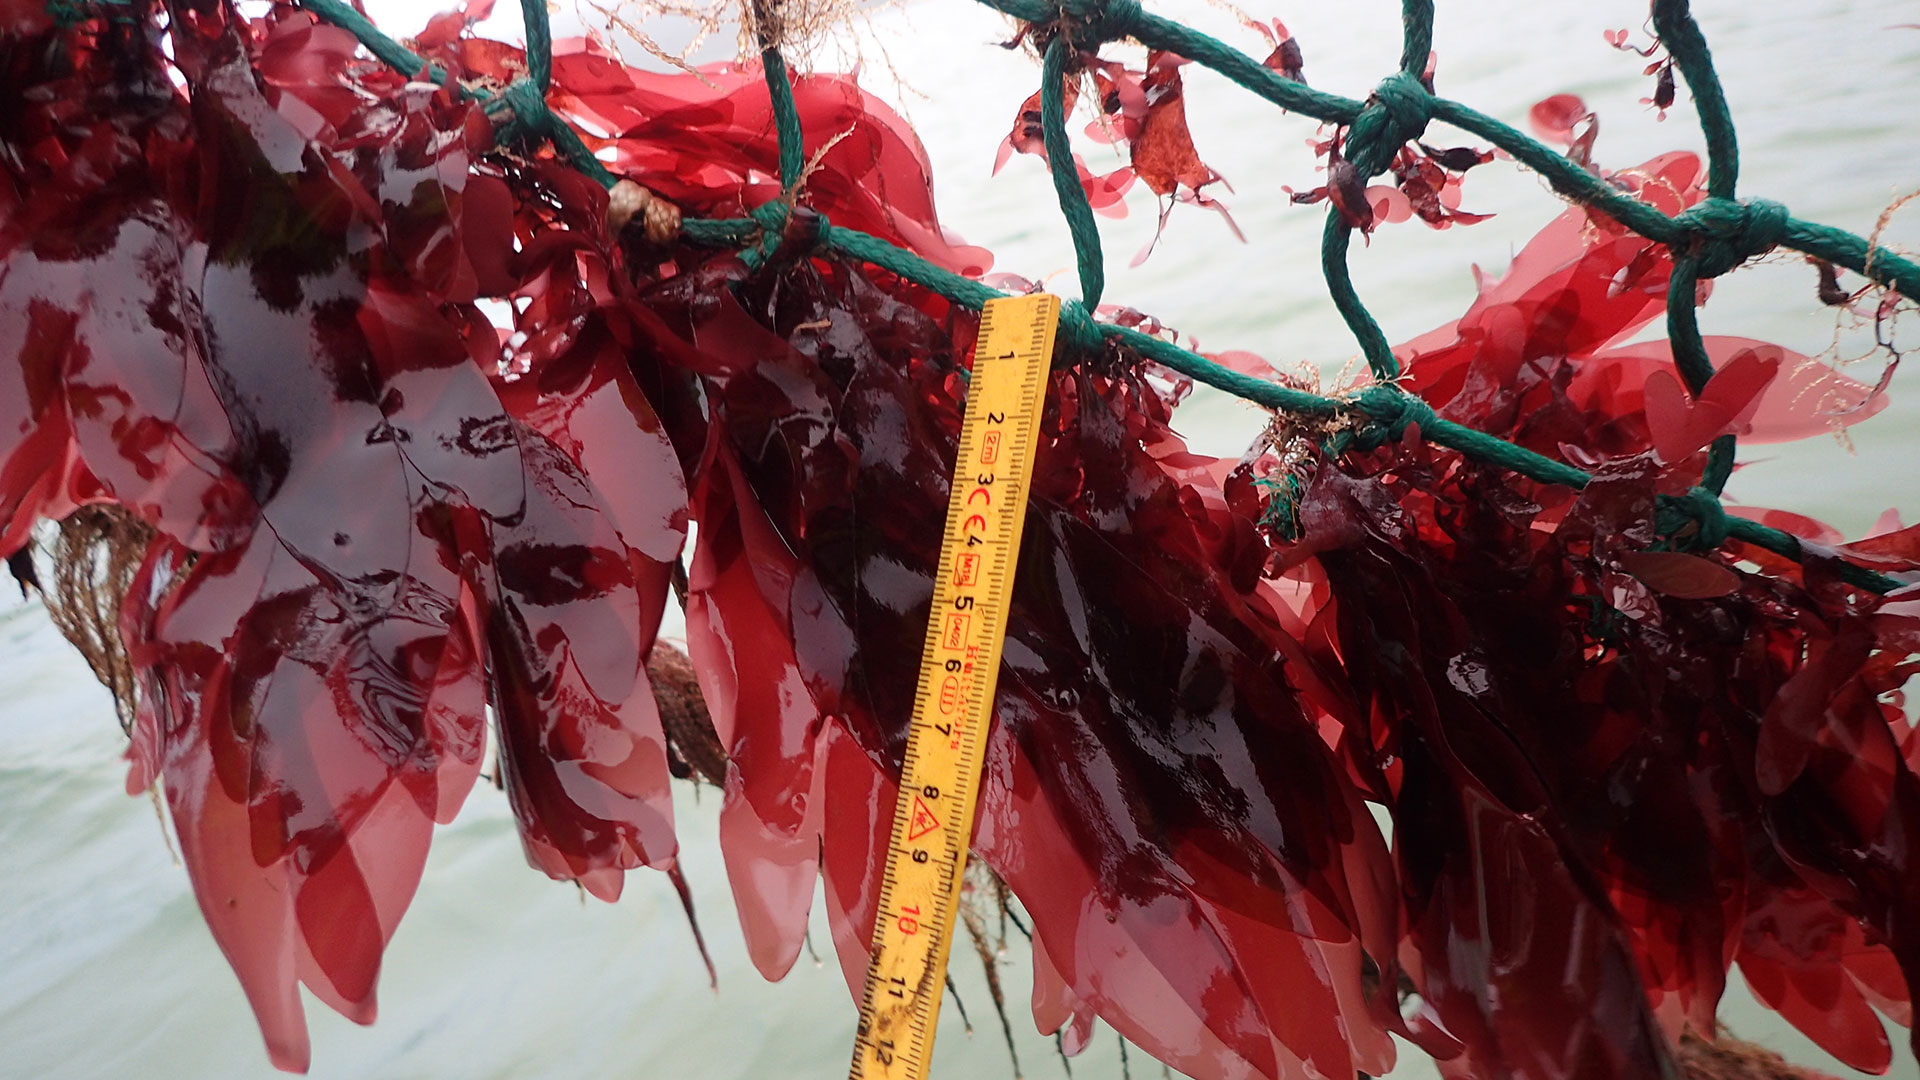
1626 736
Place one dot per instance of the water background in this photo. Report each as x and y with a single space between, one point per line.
107 970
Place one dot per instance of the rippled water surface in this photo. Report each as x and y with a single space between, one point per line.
106 969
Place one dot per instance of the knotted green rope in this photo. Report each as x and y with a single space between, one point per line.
1395 115
1088 23
1716 249
1837 246
520 110
1710 238
1724 233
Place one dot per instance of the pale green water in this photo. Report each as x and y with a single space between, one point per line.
106 969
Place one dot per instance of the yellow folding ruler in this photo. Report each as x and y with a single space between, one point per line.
933 820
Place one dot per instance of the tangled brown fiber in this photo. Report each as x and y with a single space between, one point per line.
795 26
86 564
1728 1058
983 893
693 747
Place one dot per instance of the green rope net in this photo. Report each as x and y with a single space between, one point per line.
1712 237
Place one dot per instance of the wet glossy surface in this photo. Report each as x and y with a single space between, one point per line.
254 333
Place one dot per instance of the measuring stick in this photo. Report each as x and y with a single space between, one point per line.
933 820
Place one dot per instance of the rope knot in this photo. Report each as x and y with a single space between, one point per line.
1723 233
1396 114
800 233
1079 332
787 233
1091 22
1389 410
520 112
1701 509
771 216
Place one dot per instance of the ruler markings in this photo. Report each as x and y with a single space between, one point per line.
933 817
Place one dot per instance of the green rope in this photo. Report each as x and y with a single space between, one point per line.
1388 407
1395 115
786 117
1416 23
720 232
1346 300
539 43
1673 23
1066 178
1690 357
385 49
1837 246
525 100
900 262
1708 239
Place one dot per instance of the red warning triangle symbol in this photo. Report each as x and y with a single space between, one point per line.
922 822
